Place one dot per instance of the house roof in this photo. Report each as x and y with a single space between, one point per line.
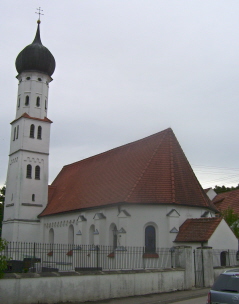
227 200
197 230
152 170
25 115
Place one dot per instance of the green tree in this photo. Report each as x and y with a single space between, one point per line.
3 258
221 189
232 220
2 199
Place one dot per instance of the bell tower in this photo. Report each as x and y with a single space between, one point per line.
27 177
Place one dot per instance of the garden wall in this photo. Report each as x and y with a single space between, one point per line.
29 288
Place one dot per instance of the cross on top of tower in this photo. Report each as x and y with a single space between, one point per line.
39 13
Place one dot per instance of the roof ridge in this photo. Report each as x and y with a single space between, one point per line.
227 193
118 147
205 218
147 165
198 185
172 168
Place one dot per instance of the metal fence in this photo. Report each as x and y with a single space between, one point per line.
39 257
221 257
225 257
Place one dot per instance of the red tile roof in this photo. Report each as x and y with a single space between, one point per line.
227 200
153 170
25 115
197 230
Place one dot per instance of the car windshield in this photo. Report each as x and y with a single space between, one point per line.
228 283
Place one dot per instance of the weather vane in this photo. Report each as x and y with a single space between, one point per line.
39 13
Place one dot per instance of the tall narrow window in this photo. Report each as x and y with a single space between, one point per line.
71 234
27 101
91 235
38 102
45 104
113 235
150 239
17 132
37 172
33 197
14 135
39 129
51 236
32 131
115 238
29 171
19 102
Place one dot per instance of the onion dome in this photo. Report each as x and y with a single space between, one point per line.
36 57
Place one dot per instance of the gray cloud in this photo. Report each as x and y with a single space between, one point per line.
128 69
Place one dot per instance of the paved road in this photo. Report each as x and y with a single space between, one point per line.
201 300
196 296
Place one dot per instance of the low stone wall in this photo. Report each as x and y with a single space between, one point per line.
219 270
63 287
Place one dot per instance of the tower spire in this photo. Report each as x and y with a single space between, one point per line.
37 38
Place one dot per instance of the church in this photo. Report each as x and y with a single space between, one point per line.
144 193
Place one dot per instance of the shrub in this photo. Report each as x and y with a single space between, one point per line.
3 258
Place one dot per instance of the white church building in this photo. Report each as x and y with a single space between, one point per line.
144 193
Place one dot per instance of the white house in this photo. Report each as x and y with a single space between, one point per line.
139 194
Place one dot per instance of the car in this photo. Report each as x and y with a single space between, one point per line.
225 289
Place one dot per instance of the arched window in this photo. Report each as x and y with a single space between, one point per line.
27 100
38 101
39 129
33 197
51 236
14 135
91 235
150 239
17 132
113 236
29 171
32 131
37 172
71 235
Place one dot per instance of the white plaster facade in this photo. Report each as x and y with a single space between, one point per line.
97 226
26 196
223 238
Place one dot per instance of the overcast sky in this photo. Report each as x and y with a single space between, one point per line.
126 69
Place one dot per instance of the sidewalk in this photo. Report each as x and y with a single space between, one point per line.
162 298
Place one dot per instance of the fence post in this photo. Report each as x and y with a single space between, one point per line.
208 272
203 272
143 258
228 257
184 259
194 259
97 257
